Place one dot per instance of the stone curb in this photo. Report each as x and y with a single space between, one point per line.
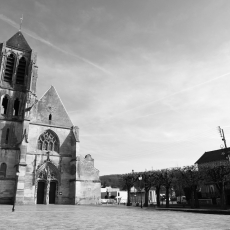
204 211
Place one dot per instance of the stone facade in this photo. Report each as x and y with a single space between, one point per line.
39 146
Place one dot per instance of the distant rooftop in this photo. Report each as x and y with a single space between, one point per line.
215 155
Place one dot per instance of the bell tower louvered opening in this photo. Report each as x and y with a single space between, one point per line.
9 70
20 77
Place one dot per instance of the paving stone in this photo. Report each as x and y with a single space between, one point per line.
41 217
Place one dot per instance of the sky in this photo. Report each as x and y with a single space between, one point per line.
147 82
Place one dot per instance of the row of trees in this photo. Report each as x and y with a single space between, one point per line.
187 179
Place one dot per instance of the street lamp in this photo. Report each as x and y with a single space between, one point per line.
16 185
140 179
107 192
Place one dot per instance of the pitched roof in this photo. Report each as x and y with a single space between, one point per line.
51 104
215 155
18 41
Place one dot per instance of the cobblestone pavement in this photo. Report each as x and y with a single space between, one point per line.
105 217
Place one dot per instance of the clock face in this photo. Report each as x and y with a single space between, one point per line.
73 169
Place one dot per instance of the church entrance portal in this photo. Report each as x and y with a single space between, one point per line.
52 192
40 192
47 182
43 189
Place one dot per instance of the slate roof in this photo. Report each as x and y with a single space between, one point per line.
211 156
18 41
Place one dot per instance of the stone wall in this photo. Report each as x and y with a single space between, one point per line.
7 184
7 190
61 160
87 192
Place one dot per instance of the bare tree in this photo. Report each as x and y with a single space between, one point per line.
219 176
167 180
191 178
157 180
129 180
147 178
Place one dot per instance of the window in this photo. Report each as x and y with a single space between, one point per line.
21 71
16 107
4 104
7 136
48 141
9 70
50 117
3 170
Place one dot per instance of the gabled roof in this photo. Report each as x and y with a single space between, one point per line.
216 155
18 41
51 104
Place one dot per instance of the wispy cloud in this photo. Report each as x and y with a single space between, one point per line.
35 36
170 95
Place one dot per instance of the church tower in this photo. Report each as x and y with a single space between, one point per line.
18 76
39 145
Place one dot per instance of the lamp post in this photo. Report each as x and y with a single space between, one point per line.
140 179
16 185
107 192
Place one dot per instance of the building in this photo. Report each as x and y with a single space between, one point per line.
38 139
137 195
109 194
214 158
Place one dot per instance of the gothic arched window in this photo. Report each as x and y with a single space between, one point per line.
4 104
16 107
48 141
3 169
9 69
21 71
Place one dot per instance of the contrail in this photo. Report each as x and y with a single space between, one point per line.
171 95
35 36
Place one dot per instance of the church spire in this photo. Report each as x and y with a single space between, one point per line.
18 41
21 23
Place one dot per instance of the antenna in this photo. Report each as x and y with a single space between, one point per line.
220 131
21 23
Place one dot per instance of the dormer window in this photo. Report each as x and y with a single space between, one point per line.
9 69
21 71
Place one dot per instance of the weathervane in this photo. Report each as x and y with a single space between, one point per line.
21 22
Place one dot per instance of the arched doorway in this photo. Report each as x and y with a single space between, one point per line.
47 182
52 192
40 192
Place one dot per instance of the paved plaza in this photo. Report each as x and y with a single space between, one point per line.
105 217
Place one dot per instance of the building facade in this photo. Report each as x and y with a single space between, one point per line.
38 141
212 159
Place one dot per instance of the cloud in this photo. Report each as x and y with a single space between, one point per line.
171 95
35 36
9 21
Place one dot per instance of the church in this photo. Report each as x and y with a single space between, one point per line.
40 161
